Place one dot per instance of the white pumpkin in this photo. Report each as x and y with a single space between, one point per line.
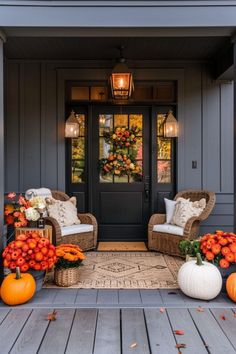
200 280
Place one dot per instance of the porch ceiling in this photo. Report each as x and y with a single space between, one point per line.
140 48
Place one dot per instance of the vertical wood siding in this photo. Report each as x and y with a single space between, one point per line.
206 134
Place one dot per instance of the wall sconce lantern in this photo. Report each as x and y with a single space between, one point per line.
170 126
121 79
72 126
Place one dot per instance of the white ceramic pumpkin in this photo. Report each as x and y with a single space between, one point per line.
200 280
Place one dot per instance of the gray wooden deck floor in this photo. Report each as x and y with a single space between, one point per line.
117 331
87 298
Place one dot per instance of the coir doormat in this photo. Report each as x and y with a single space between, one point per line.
126 270
122 246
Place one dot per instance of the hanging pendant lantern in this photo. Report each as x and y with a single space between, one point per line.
72 126
170 126
121 79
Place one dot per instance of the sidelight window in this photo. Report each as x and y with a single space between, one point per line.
164 153
78 152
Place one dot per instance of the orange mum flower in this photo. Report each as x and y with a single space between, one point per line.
225 251
224 263
216 249
9 208
230 257
210 256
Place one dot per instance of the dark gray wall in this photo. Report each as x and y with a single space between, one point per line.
34 128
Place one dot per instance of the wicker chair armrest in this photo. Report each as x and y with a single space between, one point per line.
157 219
87 218
56 229
189 225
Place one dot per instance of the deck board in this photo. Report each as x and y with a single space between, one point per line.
83 332
55 339
151 297
32 333
211 332
181 320
228 325
160 333
129 296
107 338
134 335
65 298
86 296
108 296
11 328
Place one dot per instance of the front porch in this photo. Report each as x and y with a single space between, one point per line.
187 45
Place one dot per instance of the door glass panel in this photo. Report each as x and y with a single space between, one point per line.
136 120
105 123
121 120
164 152
120 148
163 149
78 152
163 171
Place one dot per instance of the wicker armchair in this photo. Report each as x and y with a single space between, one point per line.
169 243
86 240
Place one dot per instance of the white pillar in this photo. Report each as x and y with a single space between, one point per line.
2 39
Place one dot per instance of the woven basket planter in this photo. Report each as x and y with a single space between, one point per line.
66 277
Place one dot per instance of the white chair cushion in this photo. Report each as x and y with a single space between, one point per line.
76 229
169 229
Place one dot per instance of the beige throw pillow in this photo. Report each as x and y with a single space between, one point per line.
185 209
64 212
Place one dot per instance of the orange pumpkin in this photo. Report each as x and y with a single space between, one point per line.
231 286
17 288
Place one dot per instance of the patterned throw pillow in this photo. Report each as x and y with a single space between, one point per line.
64 212
185 209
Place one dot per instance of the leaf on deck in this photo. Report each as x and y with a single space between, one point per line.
200 309
133 345
179 332
52 316
162 309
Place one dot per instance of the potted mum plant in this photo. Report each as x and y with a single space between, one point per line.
189 249
32 253
69 259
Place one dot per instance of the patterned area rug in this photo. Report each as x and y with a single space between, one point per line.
126 270
122 246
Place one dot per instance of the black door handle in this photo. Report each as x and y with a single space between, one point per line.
146 192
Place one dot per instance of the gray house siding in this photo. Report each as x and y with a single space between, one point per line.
34 140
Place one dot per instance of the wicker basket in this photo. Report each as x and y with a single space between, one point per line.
66 277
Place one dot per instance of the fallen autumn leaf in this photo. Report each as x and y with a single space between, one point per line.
162 309
52 316
179 332
200 309
133 345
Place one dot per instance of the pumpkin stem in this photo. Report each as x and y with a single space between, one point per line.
18 275
199 259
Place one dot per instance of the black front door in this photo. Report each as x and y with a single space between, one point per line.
121 171
121 167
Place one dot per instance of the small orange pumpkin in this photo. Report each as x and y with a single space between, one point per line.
231 286
17 288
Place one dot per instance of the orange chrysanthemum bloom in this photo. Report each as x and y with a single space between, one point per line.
9 208
224 263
